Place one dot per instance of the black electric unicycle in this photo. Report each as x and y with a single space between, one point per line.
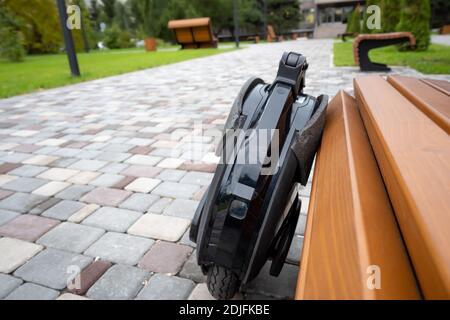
249 213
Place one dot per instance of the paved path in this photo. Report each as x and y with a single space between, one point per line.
105 176
441 39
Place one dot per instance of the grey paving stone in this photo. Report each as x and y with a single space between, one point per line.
295 250
52 268
44 206
201 178
120 248
8 284
31 291
139 202
71 237
118 283
176 190
63 209
7 215
114 167
106 180
301 225
182 208
173 175
281 287
112 219
191 270
24 184
160 205
74 192
113 156
186 241
28 170
21 202
63 162
88 165
163 287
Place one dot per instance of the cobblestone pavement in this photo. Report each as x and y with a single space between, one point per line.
104 177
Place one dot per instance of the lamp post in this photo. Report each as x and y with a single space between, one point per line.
68 41
236 22
265 19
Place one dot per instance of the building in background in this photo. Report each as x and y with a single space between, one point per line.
328 18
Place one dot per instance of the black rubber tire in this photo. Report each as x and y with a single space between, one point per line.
222 282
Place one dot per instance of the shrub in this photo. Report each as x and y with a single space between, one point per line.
415 18
117 39
390 15
11 44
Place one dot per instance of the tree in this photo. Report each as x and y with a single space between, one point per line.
148 15
11 38
390 15
354 24
109 10
283 15
440 13
121 16
415 18
40 25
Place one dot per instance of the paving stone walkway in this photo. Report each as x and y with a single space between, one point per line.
103 178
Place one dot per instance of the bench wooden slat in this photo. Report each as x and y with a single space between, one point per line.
350 223
441 85
434 103
413 154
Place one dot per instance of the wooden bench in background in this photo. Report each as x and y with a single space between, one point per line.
380 194
271 35
366 42
445 29
193 33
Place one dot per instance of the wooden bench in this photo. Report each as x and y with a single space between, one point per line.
271 35
380 195
366 42
445 29
193 33
344 35
242 37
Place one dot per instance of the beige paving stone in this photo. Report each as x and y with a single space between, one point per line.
15 253
83 213
201 292
71 296
170 163
40 159
159 227
83 177
58 174
4 179
143 185
51 188
51 142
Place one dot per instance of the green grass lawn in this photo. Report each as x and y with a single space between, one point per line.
49 71
436 60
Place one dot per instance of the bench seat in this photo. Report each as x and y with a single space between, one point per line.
413 153
351 226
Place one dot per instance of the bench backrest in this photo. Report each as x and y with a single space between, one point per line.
192 31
